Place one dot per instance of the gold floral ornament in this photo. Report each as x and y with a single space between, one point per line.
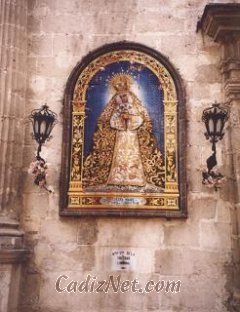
78 104
78 117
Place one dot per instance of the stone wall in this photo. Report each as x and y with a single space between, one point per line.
196 251
13 78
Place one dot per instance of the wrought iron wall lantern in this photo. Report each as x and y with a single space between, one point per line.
43 120
214 118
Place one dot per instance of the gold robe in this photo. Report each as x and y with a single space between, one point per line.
124 151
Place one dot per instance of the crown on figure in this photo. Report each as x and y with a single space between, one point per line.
121 80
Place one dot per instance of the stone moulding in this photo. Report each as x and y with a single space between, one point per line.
78 196
14 256
219 20
222 23
12 249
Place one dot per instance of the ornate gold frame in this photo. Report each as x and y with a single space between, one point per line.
168 203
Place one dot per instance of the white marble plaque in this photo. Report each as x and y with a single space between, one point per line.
123 260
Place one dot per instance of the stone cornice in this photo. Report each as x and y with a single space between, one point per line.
229 64
12 249
14 256
232 90
9 227
221 21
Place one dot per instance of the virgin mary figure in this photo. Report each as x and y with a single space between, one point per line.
125 154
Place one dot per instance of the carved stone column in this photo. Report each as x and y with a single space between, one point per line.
222 23
13 65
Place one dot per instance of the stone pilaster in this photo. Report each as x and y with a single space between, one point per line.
222 23
13 74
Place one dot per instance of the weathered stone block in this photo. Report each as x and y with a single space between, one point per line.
215 235
53 257
186 44
122 301
208 74
194 176
204 92
196 134
33 24
29 156
149 39
96 40
185 261
40 45
36 204
39 86
65 24
50 231
5 278
223 211
201 206
130 232
181 234
158 23
72 44
208 301
31 286
87 231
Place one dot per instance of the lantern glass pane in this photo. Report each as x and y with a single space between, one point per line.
35 126
211 126
219 126
49 129
43 127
